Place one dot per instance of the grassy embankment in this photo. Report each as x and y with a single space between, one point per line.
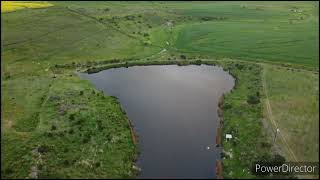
242 114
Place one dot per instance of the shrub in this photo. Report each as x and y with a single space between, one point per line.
183 56
279 159
53 127
239 66
198 62
71 117
206 18
92 70
183 63
265 145
227 106
253 99
97 164
48 134
43 149
146 43
8 171
129 17
66 162
81 93
100 126
86 138
79 122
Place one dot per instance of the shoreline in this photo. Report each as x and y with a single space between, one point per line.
134 136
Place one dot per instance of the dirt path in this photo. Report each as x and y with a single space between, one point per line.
270 115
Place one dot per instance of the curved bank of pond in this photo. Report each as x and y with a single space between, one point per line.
174 112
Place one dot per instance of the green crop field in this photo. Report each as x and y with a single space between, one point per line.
266 41
50 117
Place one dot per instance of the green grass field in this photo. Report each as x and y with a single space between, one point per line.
296 112
266 41
252 31
49 117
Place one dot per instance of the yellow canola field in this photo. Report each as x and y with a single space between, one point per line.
9 6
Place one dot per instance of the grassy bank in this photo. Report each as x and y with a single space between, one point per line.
76 132
53 123
242 114
243 117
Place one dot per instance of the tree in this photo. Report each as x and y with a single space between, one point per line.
253 99
183 56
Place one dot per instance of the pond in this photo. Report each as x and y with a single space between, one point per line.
174 113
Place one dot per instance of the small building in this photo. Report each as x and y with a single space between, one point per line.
228 137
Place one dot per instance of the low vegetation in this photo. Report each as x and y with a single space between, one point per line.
242 118
294 105
78 132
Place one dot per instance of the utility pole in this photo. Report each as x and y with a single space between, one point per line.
2 68
1 41
275 135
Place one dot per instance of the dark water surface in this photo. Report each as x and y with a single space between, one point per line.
174 112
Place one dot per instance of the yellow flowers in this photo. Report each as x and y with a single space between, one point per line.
9 6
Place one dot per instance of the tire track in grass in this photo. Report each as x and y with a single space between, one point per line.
270 115
100 22
108 25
